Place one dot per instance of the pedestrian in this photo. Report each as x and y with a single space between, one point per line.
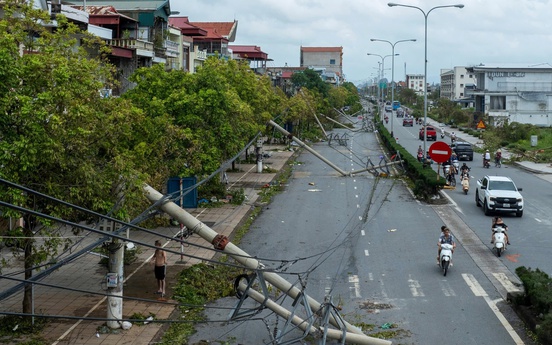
160 269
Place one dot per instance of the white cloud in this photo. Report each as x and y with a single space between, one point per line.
484 31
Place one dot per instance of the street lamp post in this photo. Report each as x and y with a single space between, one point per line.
392 70
391 4
382 73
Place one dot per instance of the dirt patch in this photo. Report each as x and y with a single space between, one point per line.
142 284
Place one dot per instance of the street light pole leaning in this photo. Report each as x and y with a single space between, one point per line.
392 71
391 4
382 74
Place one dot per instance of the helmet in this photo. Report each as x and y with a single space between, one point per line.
486 150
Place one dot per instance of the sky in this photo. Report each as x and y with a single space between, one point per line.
484 31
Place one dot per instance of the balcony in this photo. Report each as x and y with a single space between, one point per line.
143 48
171 48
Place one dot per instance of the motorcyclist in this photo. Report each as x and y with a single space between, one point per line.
498 157
446 237
465 169
486 157
420 153
498 222
452 137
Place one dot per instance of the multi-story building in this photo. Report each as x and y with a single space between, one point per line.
329 60
514 93
416 83
454 83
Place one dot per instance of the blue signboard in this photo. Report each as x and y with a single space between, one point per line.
189 200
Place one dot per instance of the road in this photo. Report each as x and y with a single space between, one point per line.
530 235
367 243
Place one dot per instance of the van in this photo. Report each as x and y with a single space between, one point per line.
463 150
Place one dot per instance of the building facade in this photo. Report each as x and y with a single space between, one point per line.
514 93
454 83
416 82
327 59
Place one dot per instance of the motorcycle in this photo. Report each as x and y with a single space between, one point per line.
486 163
465 184
386 120
445 257
499 240
420 156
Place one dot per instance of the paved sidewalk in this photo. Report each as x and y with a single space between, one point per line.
87 274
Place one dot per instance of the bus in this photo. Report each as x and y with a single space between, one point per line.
396 105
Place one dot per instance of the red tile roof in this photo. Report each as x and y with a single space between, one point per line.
225 30
249 52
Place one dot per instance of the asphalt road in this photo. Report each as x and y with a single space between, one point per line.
370 246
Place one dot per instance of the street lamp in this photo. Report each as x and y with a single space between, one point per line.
392 70
382 71
391 4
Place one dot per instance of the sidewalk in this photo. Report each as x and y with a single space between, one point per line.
87 274
536 168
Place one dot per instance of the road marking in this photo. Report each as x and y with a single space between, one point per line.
479 291
503 279
383 293
446 288
415 287
328 288
366 252
370 276
474 285
538 220
355 289
362 232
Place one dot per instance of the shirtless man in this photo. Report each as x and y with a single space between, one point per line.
160 260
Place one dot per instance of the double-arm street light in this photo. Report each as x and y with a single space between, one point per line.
392 70
391 4
379 81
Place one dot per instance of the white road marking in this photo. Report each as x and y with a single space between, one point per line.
370 276
383 293
366 252
479 291
503 279
362 233
446 288
355 289
538 220
356 196
415 287
474 285
359 217
328 288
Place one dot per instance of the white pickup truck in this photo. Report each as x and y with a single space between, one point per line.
498 193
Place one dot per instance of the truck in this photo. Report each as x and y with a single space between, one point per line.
431 133
498 194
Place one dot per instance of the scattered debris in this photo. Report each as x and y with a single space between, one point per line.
391 230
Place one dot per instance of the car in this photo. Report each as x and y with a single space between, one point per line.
463 150
431 133
400 112
498 194
408 121
388 108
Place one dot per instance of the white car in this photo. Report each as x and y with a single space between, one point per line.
498 193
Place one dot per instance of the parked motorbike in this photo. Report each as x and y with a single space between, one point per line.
486 163
499 240
445 257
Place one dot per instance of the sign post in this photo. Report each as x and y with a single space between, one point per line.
440 152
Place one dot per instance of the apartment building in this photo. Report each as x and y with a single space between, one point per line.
416 83
327 60
454 83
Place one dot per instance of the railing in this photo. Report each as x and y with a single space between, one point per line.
131 43
200 54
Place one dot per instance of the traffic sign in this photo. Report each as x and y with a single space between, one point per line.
440 152
481 125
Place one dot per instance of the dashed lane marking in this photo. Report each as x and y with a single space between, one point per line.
503 279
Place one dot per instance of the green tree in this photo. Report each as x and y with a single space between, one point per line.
59 136
311 80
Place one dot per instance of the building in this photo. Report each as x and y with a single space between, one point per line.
329 60
256 57
416 82
454 82
514 93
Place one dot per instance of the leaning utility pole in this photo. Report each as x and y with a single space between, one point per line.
221 242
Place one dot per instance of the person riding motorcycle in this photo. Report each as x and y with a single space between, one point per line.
452 137
420 153
498 222
498 157
446 237
486 157
465 170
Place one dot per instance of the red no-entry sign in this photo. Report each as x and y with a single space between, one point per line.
440 152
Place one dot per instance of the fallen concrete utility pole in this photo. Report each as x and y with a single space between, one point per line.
342 125
306 147
222 243
304 325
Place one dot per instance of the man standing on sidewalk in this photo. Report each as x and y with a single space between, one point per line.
160 270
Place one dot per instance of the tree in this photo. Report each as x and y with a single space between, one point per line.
311 80
220 108
59 136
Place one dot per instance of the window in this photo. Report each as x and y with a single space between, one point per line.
461 85
498 103
461 76
332 61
